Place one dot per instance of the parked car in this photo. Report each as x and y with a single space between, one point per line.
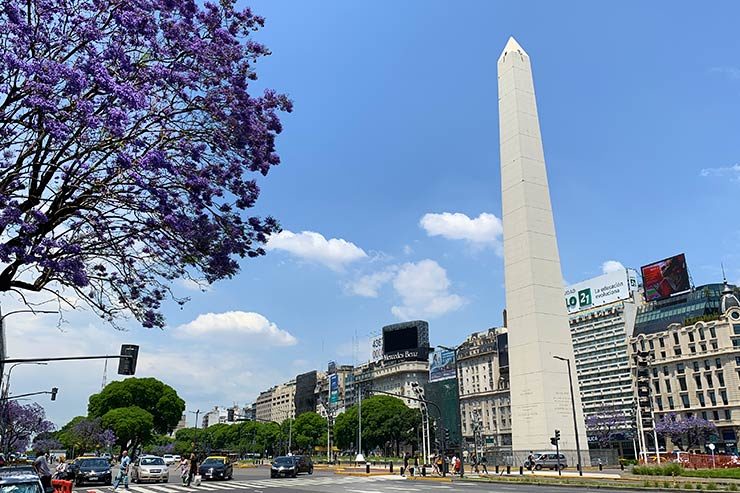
91 470
19 479
177 458
150 468
304 463
546 460
216 467
169 459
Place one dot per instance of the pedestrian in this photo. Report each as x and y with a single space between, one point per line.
405 464
530 461
61 470
41 466
184 468
193 468
484 464
454 463
123 470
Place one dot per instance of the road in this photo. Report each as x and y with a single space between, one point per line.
257 480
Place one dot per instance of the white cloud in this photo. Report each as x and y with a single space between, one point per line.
484 230
732 171
424 291
369 285
731 72
237 323
407 250
611 266
334 253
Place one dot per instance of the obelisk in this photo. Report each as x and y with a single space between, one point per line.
537 317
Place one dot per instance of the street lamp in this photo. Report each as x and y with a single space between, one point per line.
575 420
6 389
455 350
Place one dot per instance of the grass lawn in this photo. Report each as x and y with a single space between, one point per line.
733 473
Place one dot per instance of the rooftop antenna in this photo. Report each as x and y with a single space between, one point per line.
724 277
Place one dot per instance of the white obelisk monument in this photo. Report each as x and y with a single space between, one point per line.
537 318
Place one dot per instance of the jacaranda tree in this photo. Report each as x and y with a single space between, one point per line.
129 147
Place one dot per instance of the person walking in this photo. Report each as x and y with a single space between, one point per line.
123 468
405 464
530 461
484 464
193 468
184 468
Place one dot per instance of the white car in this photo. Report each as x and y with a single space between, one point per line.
149 468
169 459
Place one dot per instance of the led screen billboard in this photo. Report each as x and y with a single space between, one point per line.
407 341
400 340
665 278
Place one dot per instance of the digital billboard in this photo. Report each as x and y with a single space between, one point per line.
665 278
376 349
407 341
601 290
442 365
333 388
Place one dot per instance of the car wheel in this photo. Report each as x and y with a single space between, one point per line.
295 474
310 470
562 466
108 482
538 467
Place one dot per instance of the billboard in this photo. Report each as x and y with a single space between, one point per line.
601 290
665 278
442 365
407 341
333 388
376 348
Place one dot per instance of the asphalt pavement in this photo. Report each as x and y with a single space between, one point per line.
257 480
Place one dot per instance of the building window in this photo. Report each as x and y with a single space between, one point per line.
697 379
655 372
661 342
685 400
736 343
682 383
700 396
657 386
670 403
662 354
675 338
718 363
691 337
692 348
723 395
659 403
709 380
680 368
701 333
712 332
712 397
665 368
668 386
650 343
704 415
715 415
714 345
642 344
677 350
737 360
736 329
728 414
696 366
706 364
721 378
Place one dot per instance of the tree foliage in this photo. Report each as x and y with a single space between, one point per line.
309 430
129 143
149 394
85 435
132 425
21 422
386 420
685 433
248 436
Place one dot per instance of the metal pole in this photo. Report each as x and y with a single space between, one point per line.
575 419
359 423
429 439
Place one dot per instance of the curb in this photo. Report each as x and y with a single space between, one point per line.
430 478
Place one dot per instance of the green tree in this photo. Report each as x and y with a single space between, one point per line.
309 430
132 425
149 394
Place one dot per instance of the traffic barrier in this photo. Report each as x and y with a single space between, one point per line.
61 486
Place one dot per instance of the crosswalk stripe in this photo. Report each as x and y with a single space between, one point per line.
220 486
166 489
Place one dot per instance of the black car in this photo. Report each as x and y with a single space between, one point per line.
290 466
216 467
92 470
304 463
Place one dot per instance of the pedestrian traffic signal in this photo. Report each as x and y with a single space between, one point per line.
557 434
54 391
229 415
554 440
127 362
447 434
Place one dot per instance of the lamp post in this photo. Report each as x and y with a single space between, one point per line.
195 435
455 350
575 420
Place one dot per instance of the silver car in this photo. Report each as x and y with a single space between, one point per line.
547 460
150 468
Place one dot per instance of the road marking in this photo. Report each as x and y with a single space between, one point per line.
365 491
166 489
220 486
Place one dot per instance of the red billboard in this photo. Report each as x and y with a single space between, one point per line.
665 278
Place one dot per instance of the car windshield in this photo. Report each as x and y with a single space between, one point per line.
283 461
94 463
152 461
21 488
213 462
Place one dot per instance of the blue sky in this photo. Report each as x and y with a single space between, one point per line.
396 118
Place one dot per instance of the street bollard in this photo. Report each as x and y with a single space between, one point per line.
621 466
601 467
423 470
367 468
508 469
521 470
496 468
390 470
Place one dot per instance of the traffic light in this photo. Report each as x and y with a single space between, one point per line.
127 362
447 435
554 440
230 415
54 391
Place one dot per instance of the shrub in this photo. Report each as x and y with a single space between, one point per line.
733 487
712 486
666 470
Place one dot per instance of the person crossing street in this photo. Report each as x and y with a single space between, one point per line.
123 470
